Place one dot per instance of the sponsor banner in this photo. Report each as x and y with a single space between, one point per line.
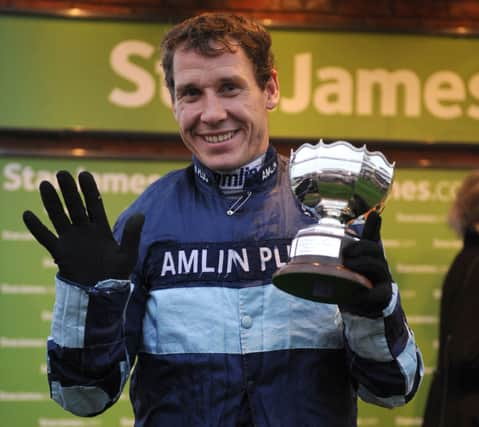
105 75
418 244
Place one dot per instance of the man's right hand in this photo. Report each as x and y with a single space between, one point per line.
85 249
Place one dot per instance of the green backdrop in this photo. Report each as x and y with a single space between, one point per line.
418 243
345 83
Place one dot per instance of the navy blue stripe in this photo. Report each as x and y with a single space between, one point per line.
173 264
396 330
265 172
383 379
104 321
286 388
87 367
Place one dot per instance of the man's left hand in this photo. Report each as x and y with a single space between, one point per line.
366 257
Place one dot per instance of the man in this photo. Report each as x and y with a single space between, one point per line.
191 300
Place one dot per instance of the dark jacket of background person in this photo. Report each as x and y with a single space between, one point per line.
454 394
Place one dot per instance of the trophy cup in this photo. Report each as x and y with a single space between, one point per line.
336 183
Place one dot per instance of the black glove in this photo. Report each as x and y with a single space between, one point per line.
85 249
366 257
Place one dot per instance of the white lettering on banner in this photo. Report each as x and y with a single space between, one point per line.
443 93
339 91
408 421
46 316
67 422
335 95
420 218
6 396
141 79
428 370
421 268
48 263
6 342
423 190
23 177
144 83
8 289
15 236
422 320
301 85
389 83
370 421
399 243
408 293
447 244
473 110
366 422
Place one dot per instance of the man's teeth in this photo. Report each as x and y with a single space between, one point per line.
219 138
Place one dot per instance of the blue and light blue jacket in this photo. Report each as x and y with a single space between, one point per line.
210 338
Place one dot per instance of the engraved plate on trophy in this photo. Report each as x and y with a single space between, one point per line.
337 183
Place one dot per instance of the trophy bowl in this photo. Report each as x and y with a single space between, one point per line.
337 184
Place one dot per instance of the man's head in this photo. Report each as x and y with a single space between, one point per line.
220 74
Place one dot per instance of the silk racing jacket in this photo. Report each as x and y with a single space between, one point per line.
208 334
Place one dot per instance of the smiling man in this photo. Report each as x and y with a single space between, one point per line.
185 296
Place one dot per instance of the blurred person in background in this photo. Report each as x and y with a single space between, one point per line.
454 394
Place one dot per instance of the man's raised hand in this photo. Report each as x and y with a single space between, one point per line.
84 248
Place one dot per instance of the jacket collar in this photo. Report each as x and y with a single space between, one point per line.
265 177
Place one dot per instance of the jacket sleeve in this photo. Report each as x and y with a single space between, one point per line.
93 342
383 355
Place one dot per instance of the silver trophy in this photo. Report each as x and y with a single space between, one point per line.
337 183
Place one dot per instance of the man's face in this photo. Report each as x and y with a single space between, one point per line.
221 111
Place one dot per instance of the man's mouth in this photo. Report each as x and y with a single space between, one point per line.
213 139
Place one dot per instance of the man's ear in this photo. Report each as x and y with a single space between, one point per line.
272 91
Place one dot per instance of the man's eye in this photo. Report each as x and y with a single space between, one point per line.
229 89
192 92
189 93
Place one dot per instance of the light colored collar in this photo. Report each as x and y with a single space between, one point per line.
232 182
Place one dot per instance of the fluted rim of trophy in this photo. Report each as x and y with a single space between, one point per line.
386 170
376 160
328 145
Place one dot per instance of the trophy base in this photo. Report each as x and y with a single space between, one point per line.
326 283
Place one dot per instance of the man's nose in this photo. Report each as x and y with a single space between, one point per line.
213 110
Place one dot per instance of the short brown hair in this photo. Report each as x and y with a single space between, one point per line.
226 31
464 211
